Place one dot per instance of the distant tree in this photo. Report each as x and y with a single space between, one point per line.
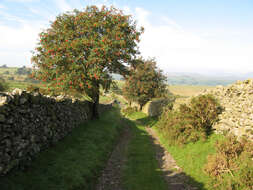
3 85
145 82
4 66
7 72
81 49
23 71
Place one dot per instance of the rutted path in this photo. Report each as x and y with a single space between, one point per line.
111 175
173 174
110 178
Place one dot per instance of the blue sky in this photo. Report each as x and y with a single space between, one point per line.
201 36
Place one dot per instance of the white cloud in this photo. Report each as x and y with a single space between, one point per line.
63 5
178 50
17 43
2 6
18 38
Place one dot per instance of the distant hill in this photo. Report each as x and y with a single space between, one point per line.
209 80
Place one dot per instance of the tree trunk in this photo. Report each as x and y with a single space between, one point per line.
95 114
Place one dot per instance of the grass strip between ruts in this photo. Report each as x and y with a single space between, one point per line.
141 170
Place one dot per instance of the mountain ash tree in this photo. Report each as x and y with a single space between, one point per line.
145 82
81 49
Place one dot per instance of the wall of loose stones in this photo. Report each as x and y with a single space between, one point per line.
237 101
31 122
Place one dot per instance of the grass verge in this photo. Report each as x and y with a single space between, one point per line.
141 170
192 158
74 163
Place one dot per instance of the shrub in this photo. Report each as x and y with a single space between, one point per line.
191 122
3 85
203 112
231 167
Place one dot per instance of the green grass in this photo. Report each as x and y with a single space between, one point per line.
141 171
18 84
105 99
192 157
74 163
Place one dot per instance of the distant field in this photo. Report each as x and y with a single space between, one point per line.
17 84
9 74
11 70
187 90
181 90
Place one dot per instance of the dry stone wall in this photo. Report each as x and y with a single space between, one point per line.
31 122
155 107
237 100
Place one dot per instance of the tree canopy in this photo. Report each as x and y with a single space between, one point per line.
81 49
145 82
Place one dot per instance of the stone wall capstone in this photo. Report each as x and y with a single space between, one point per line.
31 122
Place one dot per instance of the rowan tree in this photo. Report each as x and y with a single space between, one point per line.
81 49
145 82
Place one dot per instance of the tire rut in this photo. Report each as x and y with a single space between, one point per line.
111 175
172 174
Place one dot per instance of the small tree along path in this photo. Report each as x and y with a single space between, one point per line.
173 174
111 175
